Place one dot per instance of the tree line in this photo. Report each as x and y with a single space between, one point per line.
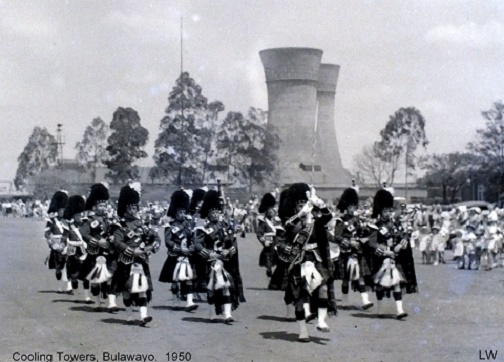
481 164
193 146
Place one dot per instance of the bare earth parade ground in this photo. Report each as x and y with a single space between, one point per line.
457 316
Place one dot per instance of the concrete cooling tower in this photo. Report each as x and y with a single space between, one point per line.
297 82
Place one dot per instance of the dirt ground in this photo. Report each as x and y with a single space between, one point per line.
457 316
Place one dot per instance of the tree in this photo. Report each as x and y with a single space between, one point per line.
449 171
248 147
39 154
402 134
489 145
370 167
92 150
183 148
125 144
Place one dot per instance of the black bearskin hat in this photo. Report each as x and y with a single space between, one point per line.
128 196
58 201
197 196
282 209
179 200
99 193
76 204
267 202
294 195
348 197
382 200
211 201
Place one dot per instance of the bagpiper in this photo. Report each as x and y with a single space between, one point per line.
134 242
76 246
393 264
351 233
215 242
178 268
101 261
200 284
280 278
267 225
54 238
310 264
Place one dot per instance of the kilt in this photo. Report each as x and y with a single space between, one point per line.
298 285
166 275
56 260
122 276
74 265
280 278
267 253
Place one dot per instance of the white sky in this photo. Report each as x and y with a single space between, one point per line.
71 61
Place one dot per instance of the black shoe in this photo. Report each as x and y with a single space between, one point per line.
311 317
304 340
323 329
69 292
229 320
146 320
89 301
113 310
402 315
269 273
192 308
367 306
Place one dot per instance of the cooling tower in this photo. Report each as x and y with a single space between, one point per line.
327 152
296 80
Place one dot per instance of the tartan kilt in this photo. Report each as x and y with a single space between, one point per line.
267 253
122 276
166 275
342 265
56 260
280 278
297 284
74 267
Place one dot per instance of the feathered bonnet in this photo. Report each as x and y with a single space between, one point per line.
179 201
211 201
99 193
58 201
290 198
383 199
267 202
129 195
348 197
75 205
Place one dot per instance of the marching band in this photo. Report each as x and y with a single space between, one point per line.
305 246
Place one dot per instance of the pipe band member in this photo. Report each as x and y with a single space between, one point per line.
267 225
101 261
76 247
308 248
179 268
134 242
393 264
215 242
54 238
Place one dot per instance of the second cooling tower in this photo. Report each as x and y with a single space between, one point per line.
296 81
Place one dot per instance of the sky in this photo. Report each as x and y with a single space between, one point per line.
71 61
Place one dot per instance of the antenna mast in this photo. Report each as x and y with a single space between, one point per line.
59 143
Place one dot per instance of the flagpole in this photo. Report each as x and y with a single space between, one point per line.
314 141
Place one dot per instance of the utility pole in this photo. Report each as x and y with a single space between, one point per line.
59 143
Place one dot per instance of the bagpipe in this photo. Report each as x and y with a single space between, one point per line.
140 236
229 217
95 244
294 253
